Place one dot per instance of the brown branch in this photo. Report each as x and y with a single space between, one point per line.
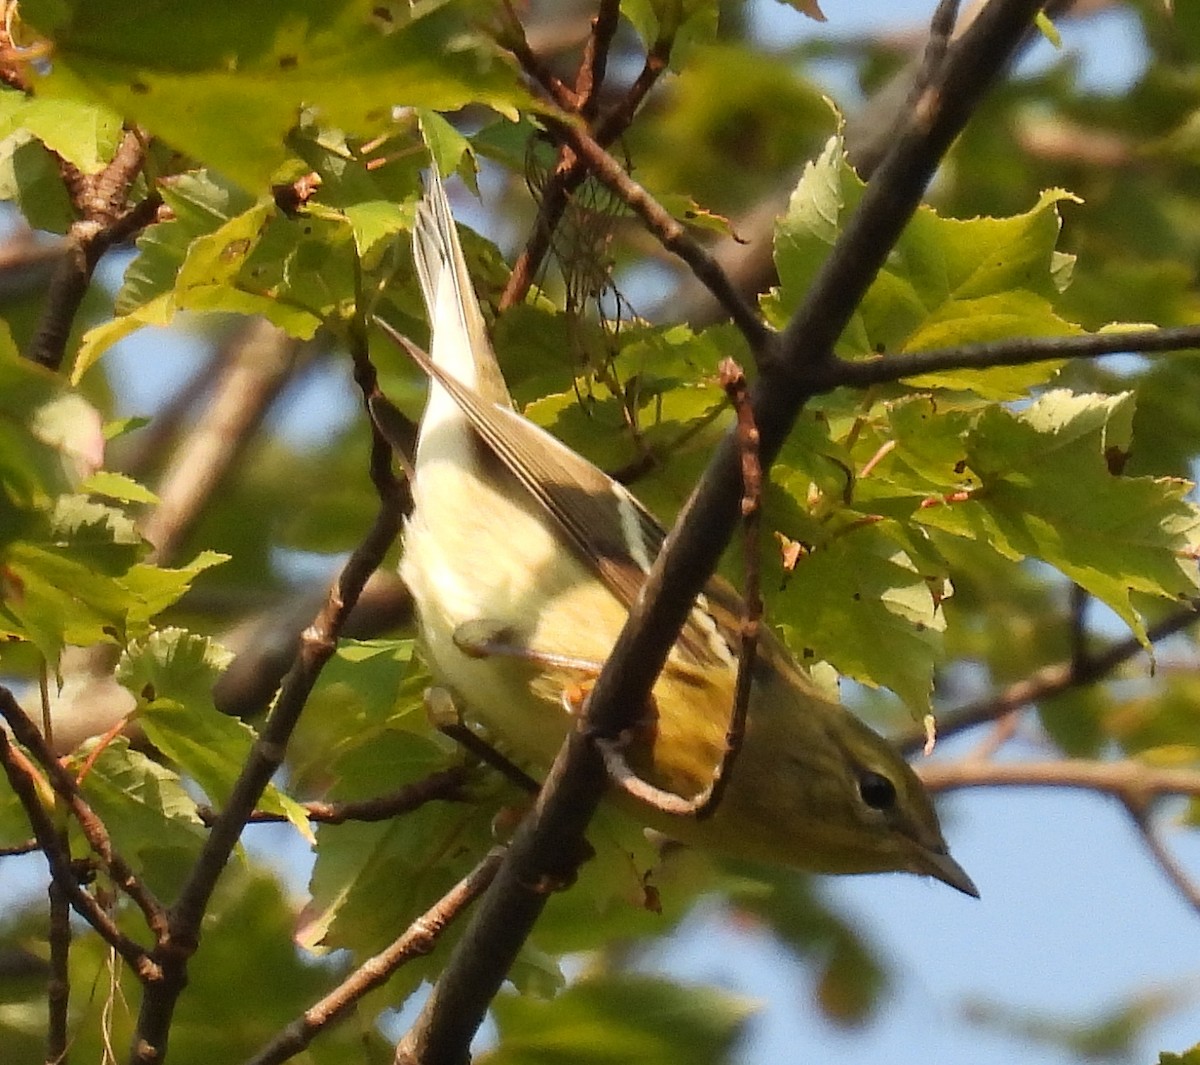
259 366
669 232
317 644
594 64
1136 785
94 831
548 842
1019 351
570 171
1130 781
58 983
29 846
512 36
1074 672
105 220
1170 865
419 939
444 785
23 778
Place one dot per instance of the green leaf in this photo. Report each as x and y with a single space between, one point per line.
1048 490
947 282
620 1018
30 179
150 816
119 487
861 602
193 75
200 203
173 672
63 578
84 133
154 588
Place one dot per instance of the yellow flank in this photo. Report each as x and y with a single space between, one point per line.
522 559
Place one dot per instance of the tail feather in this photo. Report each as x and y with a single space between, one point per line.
459 342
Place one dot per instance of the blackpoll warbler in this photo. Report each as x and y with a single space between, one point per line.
522 558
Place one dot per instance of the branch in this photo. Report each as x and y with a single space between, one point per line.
23 779
94 830
1077 671
548 843
1136 785
1167 862
259 365
419 939
1130 781
571 171
58 986
105 221
445 785
670 233
1019 351
317 644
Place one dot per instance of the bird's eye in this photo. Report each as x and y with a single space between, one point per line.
876 790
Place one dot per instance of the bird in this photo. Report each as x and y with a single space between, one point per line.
523 559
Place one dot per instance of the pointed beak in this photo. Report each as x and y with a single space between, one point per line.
939 864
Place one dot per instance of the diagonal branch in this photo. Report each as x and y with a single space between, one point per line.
23 779
670 233
548 843
418 939
317 644
94 830
1051 680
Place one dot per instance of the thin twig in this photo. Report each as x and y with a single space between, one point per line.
23 778
669 232
445 785
1049 681
28 847
115 867
733 380
570 171
1019 351
706 802
1136 785
594 65
419 939
1170 865
317 644
58 984
941 30
1128 780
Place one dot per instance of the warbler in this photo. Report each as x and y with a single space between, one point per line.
523 558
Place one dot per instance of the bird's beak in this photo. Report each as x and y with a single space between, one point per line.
939 864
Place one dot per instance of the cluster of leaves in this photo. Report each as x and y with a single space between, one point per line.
904 504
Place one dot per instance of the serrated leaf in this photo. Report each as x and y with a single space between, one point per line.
859 602
192 75
154 588
119 487
200 203
172 672
149 815
1047 491
946 282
